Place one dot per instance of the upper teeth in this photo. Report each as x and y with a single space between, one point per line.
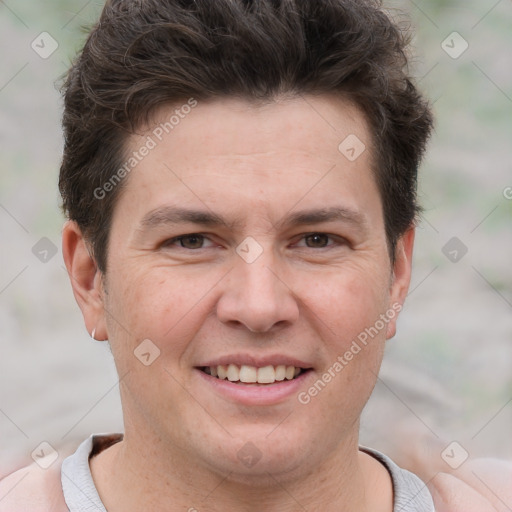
245 373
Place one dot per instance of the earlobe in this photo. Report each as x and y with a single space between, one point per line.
85 277
401 276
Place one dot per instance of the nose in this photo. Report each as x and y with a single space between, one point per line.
257 295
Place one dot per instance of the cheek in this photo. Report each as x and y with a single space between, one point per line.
347 315
158 305
353 300
348 302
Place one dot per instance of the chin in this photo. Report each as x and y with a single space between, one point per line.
258 455
265 471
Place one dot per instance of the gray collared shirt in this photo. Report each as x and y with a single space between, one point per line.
81 495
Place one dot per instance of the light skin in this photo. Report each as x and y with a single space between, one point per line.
304 298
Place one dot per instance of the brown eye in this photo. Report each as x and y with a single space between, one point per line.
318 240
321 241
190 241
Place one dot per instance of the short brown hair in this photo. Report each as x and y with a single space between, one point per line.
143 54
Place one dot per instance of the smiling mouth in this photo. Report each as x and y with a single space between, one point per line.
246 374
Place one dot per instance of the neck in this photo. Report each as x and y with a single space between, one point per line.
171 481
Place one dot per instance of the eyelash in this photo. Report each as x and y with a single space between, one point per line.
338 240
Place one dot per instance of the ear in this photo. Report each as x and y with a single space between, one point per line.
401 276
86 279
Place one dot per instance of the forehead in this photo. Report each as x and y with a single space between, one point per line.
227 125
302 149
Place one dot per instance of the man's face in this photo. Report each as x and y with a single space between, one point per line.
286 266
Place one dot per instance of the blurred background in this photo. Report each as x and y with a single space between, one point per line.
448 372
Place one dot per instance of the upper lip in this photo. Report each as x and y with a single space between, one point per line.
258 361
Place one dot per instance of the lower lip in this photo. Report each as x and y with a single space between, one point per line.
255 394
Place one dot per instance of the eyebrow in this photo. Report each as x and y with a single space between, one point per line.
170 215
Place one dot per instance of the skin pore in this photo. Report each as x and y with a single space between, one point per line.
322 276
